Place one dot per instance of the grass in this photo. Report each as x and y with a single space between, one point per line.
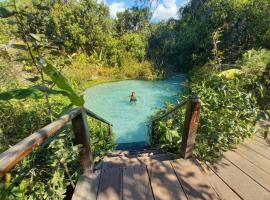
101 81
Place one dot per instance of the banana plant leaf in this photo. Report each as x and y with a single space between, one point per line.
62 83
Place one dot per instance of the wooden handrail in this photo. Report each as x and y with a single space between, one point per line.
16 153
94 115
193 106
170 111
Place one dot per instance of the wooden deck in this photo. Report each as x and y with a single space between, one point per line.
243 173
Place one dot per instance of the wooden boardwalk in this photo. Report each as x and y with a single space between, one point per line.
243 173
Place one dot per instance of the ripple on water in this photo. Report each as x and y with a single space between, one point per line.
111 101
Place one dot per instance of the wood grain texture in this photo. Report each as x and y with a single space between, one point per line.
136 185
193 180
110 184
120 161
242 184
259 148
82 138
191 125
16 153
257 159
266 147
148 160
87 187
224 192
164 182
265 142
249 168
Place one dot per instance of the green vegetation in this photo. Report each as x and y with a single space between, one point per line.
231 102
50 51
225 47
233 26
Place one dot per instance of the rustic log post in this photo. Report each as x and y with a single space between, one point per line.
81 132
190 127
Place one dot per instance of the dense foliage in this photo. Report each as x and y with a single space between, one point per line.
50 51
231 101
188 42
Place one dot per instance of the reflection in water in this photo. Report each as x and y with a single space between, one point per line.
129 119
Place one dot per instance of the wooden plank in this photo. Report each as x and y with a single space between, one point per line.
136 185
192 179
224 192
147 160
266 147
249 168
254 157
87 187
164 182
259 148
16 153
119 161
110 186
263 141
242 184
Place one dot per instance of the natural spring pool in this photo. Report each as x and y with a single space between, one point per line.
112 102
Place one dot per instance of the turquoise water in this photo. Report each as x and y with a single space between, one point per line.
112 102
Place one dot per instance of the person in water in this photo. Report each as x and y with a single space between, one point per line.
133 97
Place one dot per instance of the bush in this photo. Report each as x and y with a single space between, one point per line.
228 115
254 62
168 131
143 70
52 169
256 65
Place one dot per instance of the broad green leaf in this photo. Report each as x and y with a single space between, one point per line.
62 83
35 37
5 12
230 74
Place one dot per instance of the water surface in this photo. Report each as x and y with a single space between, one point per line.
112 102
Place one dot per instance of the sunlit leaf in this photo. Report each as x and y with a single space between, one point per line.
35 37
62 83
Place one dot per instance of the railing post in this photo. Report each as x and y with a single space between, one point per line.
81 132
110 130
190 127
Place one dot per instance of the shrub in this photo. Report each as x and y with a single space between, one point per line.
52 169
228 114
227 117
254 62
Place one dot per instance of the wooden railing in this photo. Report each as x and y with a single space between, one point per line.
192 116
77 116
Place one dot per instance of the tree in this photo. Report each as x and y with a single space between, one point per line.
133 19
83 25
